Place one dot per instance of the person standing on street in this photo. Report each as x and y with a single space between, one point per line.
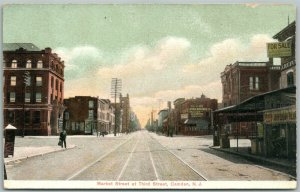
62 137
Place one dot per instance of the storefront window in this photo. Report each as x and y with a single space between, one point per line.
290 78
36 117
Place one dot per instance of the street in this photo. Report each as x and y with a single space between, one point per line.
139 156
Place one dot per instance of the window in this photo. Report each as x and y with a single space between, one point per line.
27 97
14 64
52 82
38 97
39 81
250 83
10 116
27 117
28 64
12 97
56 84
13 81
39 64
36 117
91 104
91 114
51 98
290 78
256 83
60 87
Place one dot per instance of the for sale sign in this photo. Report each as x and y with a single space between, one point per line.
279 49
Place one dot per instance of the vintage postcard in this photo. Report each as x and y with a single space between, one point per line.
115 96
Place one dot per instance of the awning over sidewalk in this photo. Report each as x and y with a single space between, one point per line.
258 103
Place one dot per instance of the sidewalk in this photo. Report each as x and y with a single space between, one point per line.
27 152
243 151
26 147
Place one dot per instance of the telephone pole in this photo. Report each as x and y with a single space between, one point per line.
116 88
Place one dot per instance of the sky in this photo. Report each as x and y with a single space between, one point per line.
161 52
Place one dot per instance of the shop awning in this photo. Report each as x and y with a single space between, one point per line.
190 122
257 103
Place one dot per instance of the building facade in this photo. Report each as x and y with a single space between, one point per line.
125 105
288 63
88 115
178 121
33 89
193 116
243 80
162 115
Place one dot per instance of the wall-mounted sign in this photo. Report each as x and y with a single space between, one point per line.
279 49
184 116
280 116
197 110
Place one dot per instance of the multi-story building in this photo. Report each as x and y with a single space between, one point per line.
106 116
197 115
33 89
288 63
87 115
125 105
243 80
178 120
251 80
162 115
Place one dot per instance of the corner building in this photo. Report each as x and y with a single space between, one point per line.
33 108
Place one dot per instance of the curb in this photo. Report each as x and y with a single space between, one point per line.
256 159
8 162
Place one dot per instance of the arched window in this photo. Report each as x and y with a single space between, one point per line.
290 78
28 64
39 64
14 64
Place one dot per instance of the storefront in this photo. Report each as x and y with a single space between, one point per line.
280 132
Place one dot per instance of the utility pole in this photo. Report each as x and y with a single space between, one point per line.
116 88
27 81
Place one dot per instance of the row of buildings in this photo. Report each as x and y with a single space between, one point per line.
258 103
189 117
259 99
88 115
33 97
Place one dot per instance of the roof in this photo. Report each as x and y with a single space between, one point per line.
241 107
15 46
285 29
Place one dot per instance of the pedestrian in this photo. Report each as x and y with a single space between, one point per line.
62 138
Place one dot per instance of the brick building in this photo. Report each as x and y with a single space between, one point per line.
195 115
87 115
243 80
288 64
125 105
34 107
178 122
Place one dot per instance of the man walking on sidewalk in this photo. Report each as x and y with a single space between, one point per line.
62 137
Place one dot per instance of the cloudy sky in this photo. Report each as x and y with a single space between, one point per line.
161 52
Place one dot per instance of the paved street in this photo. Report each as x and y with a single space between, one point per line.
137 156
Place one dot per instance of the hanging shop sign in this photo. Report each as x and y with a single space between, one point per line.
279 49
280 116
